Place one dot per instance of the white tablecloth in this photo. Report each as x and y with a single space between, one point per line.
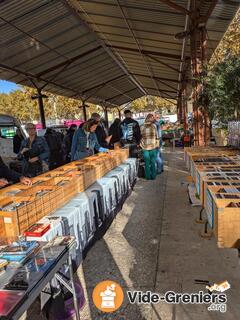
87 210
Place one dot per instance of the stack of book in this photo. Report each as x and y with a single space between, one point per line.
37 230
18 251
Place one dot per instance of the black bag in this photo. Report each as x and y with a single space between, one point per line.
141 169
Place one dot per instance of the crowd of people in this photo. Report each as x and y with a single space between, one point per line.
39 154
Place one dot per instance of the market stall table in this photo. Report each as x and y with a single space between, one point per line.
37 276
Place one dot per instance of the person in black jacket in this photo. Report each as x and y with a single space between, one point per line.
7 175
67 143
17 140
54 141
130 133
115 133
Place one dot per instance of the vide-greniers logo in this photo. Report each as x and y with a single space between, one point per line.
108 296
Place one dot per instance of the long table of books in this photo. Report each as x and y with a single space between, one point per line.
38 264
216 174
79 199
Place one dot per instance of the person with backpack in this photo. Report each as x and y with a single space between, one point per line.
149 144
54 141
130 133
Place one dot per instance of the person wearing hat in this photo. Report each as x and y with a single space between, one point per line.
130 133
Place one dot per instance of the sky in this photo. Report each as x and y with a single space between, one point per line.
6 86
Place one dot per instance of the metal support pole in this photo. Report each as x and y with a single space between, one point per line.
185 111
194 38
41 109
119 114
75 301
84 112
105 109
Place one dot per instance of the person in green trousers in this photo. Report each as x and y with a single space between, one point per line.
149 143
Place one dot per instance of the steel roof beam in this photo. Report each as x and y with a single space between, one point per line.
148 52
68 62
103 84
175 6
129 6
119 95
157 78
209 12
32 77
72 8
138 45
163 63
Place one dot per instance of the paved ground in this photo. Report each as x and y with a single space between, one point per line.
154 244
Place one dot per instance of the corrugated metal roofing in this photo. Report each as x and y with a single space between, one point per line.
109 51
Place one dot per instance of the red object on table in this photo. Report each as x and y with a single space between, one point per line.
37 230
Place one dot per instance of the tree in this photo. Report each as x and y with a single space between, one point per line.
221 90
153 103
230 43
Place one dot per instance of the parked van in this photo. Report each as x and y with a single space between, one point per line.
8 127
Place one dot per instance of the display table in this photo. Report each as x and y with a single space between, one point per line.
92 210
37 273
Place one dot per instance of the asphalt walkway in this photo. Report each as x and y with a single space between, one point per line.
154 244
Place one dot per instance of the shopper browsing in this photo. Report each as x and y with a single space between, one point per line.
7 176
149 144
130 133
34 152
115 133
101 131
85 141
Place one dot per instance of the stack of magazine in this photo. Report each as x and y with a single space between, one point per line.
18 251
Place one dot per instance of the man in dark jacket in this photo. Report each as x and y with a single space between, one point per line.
130 132
7 175
17 140
54 141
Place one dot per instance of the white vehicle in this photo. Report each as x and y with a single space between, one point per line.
8 127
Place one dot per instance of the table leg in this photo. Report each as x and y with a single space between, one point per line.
75 301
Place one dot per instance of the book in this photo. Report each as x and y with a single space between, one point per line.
20 248
37 230
3 264
59 241
9 300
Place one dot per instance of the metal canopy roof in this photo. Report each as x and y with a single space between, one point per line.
106 51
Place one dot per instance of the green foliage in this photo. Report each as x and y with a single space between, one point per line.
222 86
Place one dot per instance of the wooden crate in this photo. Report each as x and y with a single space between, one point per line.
205 182
227 223
78 176
18 220
47 202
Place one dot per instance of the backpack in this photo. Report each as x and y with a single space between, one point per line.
127 131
